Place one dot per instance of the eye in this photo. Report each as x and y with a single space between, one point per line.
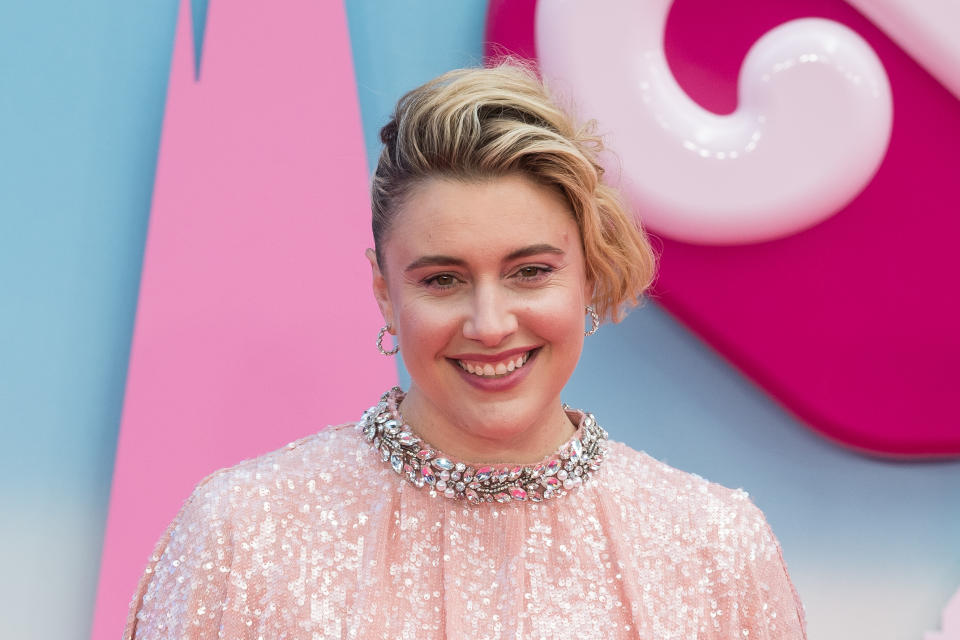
441 281
533 272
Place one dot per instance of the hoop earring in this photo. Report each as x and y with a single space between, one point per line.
595 321
396 347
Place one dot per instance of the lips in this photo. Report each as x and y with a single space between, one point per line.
495 369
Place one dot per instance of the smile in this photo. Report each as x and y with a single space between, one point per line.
493 370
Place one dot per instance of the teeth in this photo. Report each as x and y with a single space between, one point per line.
499 369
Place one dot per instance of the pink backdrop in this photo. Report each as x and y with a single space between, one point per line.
250 311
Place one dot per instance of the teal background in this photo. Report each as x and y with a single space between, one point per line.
82 93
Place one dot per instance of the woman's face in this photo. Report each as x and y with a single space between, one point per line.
485 287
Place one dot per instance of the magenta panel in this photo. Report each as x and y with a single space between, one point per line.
852 324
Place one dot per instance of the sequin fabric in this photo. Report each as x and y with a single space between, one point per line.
322 539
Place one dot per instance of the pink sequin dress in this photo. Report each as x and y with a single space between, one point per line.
323 539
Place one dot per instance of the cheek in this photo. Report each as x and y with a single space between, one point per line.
560 319
425 327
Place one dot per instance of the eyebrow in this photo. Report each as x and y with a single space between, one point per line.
524 252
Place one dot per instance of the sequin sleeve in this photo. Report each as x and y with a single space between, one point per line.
769 607
184 591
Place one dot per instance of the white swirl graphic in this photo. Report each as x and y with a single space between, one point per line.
811 128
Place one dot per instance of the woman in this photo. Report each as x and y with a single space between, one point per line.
476 505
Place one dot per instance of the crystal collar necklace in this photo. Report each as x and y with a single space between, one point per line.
422 465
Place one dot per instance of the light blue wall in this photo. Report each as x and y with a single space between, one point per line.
398 45
82 90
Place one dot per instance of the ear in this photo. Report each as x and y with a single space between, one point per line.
380 291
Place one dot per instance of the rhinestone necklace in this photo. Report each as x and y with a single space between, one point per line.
423 465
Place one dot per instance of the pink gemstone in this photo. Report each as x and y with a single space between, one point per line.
427 474
483 473
425 454
518 494
408 439
552 467
502 497
550 482
472 495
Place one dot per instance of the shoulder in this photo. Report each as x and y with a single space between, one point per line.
674 497
231 502
304 466
196 581
708 531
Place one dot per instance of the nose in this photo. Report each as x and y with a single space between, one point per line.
491 318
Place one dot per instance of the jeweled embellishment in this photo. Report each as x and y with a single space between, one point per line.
383 427
576 449
391 426
427 473
396 462
407 439
442 463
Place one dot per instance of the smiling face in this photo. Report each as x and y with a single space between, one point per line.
484 284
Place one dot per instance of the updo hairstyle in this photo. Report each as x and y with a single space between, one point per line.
476 124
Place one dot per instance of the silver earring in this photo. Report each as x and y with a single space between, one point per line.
594 319
396 347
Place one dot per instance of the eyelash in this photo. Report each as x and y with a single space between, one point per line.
542 271
432 281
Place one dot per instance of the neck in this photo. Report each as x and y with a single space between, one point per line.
493 436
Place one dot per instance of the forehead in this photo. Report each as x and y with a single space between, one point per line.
492 216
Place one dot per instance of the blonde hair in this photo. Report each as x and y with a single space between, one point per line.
473 124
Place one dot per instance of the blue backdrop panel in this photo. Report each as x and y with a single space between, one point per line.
82 89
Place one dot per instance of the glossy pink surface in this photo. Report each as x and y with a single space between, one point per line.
254 292
851 324
926 30
810 129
